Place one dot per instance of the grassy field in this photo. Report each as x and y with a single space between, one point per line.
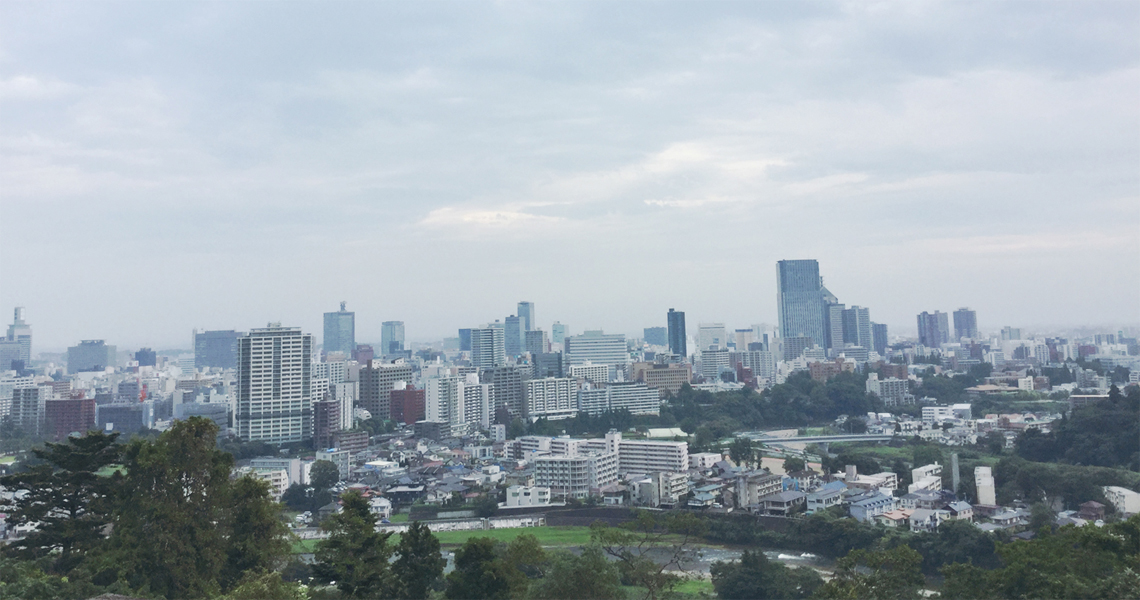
547 536
108 470
693 588
7 459
304 546
399 518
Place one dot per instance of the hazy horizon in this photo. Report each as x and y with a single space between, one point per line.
166 166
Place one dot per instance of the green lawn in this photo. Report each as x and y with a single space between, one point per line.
108 470
304 546
547 536
8 459
399 518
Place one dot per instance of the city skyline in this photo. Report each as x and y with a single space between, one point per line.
608 163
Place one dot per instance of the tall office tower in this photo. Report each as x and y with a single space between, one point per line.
743 337
377 380
834 328
795 346
712 336
857 327
513 340
90 355
656 336
273 386
1010 333
965 324
536 342
931 328
597 347
392 337
558 333
879 338
487 349
340 331
215 349
678 340
17 344
465 340
802 301
506 389
526 313
943 326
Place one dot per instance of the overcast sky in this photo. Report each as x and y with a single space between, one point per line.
219 165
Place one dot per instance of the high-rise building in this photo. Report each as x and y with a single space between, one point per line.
552 397
879 337
90 355
597 347
17 344
215 349
506 389
377 380
408 404
712 336
340 331
933 330
965 324
743 337
444 400
478 402
678 341
557 333
392 337
801 301
833 327
656 336
273 386
795 346
857 327
536 342
513 336
548 364
526 313
465 340
65 416
487 347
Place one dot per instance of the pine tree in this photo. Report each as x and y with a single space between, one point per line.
419 564
355 555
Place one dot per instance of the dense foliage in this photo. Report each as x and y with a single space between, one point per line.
754 576
1104 434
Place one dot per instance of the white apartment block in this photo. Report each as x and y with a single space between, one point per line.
711 335
26 407
488 348
591 372
1126 501
336 372
637 398
714 361
704 460
273 385
278 479
478 403
892 391
518 495
643 456
761 362
552 397
575 476
341 458
984 482
443 400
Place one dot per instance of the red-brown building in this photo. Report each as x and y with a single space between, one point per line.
67 416
326 422
408 405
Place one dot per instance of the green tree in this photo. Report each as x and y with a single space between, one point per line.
1074 562
669 534
355 555
323 474
479 573
793 464
169 537
258 540
754 576
588 576
893 574
265 585
65 500
741 450
418 565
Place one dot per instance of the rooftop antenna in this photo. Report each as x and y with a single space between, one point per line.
342 304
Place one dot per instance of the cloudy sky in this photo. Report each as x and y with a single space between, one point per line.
165 166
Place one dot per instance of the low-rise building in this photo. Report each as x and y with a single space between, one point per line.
518 495
867 505
782 503
1125 501
826 496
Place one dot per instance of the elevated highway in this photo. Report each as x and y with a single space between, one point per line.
823 441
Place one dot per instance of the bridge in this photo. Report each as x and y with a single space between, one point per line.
823 441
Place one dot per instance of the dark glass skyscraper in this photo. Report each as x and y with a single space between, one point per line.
678 344
526 313
340 331
965 324
801 301
215 349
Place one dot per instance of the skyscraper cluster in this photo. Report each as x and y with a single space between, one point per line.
812 318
